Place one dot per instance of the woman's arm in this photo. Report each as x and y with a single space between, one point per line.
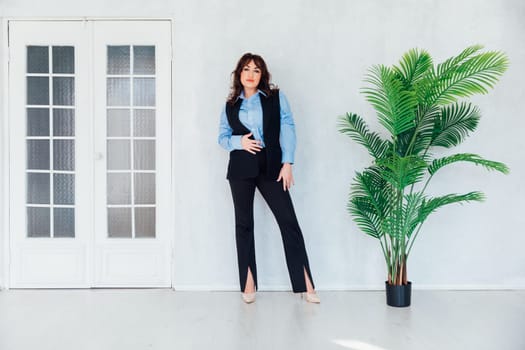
235 142
228 141
287 137
287 140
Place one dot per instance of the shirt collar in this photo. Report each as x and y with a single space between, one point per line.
259 91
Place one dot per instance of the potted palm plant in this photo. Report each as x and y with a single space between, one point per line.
423 108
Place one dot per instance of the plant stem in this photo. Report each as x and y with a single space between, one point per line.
384 251
411 145
400 236
393 259
416 129
426 184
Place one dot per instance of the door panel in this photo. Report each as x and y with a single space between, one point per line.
132 70
50 208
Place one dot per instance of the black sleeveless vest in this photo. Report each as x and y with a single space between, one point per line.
242 163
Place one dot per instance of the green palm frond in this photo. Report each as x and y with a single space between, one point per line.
355 127
443 69
474 75
369 183
368 202
428 206
454 124
417 140
467 157
451 63
394 105
403 142
413 66
401 172
431 205
403 220
365 217
411 212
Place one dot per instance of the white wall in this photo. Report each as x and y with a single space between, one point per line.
318 52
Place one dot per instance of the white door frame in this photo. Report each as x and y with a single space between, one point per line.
5 254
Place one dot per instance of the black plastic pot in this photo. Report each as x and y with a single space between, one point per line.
398 296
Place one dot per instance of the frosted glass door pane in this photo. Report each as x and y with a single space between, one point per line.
64 222
118 92
144 92
119 188
144 188
64 155
38 188
38 222
118 122
38 90
144 123
37 59
37 122
64 59
63 122
144 155
118 60
64 189
144 59
145 222
38 154
63 91
119 155
119 222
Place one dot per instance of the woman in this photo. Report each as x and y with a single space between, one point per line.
257 129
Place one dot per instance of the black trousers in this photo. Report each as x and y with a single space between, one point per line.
280 203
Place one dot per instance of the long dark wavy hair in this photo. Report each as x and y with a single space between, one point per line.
264 85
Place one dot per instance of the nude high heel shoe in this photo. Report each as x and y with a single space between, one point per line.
248 297
311 298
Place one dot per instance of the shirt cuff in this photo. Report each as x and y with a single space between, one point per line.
287 158
235 141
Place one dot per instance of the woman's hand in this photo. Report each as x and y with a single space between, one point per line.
250 145
286 175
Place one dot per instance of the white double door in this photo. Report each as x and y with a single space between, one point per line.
89 154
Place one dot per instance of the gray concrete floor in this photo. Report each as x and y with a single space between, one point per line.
164 319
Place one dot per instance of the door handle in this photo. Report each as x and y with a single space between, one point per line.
99 156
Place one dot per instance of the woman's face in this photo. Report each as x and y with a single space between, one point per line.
250 76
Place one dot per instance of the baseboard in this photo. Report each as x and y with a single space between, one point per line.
340 288
347 288
469 287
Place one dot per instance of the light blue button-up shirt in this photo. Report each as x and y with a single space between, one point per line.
251 116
